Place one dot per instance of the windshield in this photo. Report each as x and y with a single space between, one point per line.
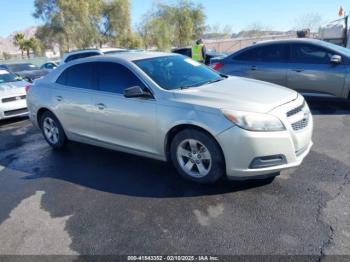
177 72
22 67
6 77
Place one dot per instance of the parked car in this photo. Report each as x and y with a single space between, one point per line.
27 71
169 107
187 51
70 56
309 66
12 95
49 66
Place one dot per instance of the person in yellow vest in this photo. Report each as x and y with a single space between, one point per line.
199 51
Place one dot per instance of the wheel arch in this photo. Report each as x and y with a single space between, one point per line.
180 127
41 111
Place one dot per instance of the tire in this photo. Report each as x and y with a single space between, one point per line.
197 157
52 130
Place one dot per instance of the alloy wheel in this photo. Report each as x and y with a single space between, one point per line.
51 130
194 158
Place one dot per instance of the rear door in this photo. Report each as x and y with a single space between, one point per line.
72 99
126 122
263 62
310 70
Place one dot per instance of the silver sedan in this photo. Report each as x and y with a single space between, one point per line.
309 66
169 107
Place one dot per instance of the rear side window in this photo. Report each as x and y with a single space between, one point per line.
115 78
185 52
268 54
79 56
310 54
77 76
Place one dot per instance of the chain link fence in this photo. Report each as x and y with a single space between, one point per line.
231 45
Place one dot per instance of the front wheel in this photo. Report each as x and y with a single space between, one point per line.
52 130
197 157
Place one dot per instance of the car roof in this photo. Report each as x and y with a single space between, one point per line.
97 50
103 50
133 56
290 41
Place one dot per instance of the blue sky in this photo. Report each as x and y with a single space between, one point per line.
278 15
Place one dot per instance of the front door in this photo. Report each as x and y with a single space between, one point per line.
129 123
311 71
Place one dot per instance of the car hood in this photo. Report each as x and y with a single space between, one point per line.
238 93
12 88
33 74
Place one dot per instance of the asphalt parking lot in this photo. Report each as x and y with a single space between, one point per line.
88 200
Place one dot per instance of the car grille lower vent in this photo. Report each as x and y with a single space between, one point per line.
299 117
300 124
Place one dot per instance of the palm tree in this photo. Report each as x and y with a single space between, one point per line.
19 41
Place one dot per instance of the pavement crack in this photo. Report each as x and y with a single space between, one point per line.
336 219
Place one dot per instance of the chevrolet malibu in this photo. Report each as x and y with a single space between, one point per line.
12 95
169 107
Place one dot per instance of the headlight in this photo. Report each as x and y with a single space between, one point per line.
254 121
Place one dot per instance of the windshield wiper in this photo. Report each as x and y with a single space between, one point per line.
201 84
212 81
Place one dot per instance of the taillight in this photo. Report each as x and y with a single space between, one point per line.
216 66
27 88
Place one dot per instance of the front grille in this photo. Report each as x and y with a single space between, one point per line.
300 124
16 112
296 110
14 98
299 117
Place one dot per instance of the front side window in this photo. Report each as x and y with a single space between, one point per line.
77 76
177 72
310 54
115 78
266 54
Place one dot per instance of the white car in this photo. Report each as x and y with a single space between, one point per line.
12 95
70 56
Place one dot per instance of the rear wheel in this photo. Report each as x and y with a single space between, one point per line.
197 157
52 130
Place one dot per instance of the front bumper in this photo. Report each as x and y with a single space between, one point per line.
241 147
13 109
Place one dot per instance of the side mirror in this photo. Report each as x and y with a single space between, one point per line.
336 59
136 91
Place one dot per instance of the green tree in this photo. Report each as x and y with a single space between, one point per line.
178 24
19 41
84 23
71 22
114 22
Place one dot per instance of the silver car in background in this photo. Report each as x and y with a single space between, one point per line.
12 95
169 107
312 67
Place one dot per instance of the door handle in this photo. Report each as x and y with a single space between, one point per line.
253 68
101 106
298 70
59 98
